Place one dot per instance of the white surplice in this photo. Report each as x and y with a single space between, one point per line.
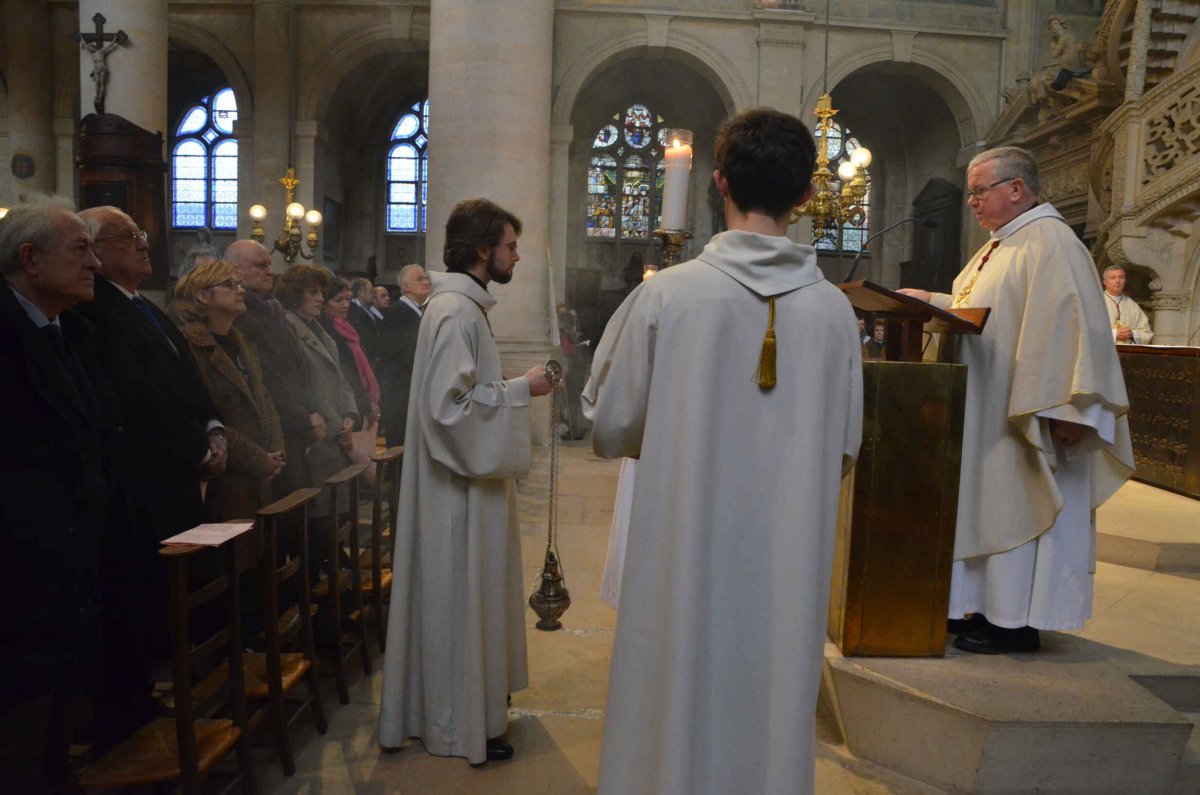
614 561
723 597
1024 543
456 631
1125 310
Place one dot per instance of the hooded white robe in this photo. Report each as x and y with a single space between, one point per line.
456 631
718 648
1024 544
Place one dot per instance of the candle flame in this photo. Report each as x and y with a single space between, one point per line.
675 143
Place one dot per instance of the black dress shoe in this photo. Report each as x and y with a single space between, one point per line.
498 750
958 626
991 639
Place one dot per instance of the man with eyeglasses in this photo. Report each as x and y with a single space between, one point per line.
1045 437
58 488
173 441
456 635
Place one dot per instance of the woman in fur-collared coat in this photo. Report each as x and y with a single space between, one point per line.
208 300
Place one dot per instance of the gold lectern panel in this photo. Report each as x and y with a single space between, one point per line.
895 546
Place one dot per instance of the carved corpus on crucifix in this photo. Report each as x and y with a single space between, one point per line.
99 45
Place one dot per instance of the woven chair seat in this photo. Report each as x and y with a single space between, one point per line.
293 667
368 583
151 754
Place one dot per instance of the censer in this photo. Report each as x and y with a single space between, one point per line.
551 599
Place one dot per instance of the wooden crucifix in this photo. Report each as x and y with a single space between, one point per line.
99 45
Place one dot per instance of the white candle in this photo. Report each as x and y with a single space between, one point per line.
677 165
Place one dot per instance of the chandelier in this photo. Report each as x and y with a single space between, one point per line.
288 242
841 199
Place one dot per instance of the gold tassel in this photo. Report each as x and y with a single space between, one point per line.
766 361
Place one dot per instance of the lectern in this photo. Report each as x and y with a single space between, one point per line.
895 544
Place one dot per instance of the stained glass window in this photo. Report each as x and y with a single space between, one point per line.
407 166
839 145
204 165
625 176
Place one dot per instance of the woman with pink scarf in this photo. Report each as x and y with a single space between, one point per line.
356 368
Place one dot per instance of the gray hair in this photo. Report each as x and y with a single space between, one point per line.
29 223
360 286
405 272
1115 268
97 217
1012 162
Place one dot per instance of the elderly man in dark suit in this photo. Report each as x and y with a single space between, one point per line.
365 321
58 488
263 325
173 441
398 345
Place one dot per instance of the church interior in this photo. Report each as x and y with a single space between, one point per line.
208 119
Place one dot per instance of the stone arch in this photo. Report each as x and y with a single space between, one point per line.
194 37
321 80
694 53
965 103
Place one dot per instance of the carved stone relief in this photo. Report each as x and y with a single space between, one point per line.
1173 137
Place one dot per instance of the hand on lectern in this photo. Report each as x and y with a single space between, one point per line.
920 295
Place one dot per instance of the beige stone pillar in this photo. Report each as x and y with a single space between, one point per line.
29 70
64 143
137 70
269 146
1139 45
489 104
307 192
560 180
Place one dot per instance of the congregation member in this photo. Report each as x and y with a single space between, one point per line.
875 347
173 440
301 293
456 632
1046 433
263 325
383 302
1128 322
723 597
208 299
398 346
357 370
365 321
59 495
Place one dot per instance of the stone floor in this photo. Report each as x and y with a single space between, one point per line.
1150 621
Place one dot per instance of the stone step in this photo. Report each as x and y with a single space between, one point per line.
1149 528
1063 720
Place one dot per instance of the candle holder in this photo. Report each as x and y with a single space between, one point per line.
672 244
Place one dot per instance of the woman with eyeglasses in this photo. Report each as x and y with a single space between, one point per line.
208 300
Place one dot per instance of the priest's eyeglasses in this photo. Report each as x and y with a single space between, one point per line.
979 193
131 236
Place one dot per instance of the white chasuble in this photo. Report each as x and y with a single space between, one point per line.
1045 353
723 595
456 631
1124 311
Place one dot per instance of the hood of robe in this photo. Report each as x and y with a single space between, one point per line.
461 283
767 265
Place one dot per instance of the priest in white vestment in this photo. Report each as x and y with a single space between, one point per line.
736 380
1046 436
456 631
1129 323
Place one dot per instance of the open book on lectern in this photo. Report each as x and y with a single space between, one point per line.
870 297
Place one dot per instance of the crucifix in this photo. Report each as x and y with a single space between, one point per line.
99 45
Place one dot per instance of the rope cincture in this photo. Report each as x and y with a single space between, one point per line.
766 360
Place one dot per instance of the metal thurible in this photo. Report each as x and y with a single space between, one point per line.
551 599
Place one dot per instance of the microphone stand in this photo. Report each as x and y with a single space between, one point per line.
929 223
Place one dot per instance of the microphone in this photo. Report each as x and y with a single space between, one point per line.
928 223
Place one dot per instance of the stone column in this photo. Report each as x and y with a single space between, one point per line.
64 142
1135 77
560 180
489 103
781 66
27 32
305 137
269 149
137 70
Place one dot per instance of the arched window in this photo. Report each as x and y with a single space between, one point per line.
625 176
840 144
407 166
204 165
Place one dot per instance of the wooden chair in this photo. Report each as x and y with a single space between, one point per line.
207 681
289 656
376 561
339 594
